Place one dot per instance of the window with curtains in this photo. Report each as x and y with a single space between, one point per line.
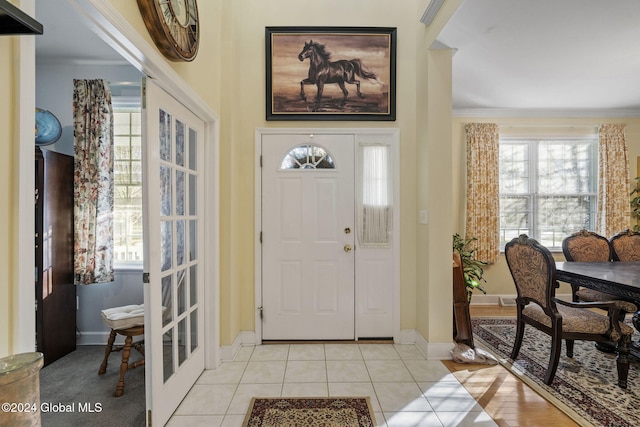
127 227
548 188
375 201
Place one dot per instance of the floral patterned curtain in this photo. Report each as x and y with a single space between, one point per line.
483 209
93 182
613 181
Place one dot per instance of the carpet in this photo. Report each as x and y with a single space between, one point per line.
313 412
73 394
585 387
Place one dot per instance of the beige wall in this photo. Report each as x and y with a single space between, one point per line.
497 275
245 93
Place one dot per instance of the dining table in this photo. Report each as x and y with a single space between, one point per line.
621 279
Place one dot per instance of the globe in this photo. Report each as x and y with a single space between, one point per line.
48 129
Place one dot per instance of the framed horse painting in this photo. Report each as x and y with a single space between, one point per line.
331 73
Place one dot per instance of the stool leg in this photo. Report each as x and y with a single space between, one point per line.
126 351
107 351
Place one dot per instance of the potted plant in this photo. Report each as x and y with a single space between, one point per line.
472 267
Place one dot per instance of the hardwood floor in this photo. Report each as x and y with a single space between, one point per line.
509 401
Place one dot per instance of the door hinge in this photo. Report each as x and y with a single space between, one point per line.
260 160
149 418
261 309
261 237
146 278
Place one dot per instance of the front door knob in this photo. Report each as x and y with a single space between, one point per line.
347 248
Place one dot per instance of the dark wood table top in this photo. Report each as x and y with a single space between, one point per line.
618 278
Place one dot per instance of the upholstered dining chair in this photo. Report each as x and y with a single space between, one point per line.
625 246
534 274
587 246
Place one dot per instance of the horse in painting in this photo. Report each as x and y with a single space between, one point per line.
322 71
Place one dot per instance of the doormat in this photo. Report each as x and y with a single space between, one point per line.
585 387
310 411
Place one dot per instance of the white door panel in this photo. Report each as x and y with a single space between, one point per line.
308 261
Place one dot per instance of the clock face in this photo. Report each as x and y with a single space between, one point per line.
173 26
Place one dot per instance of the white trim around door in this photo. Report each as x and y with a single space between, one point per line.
377 293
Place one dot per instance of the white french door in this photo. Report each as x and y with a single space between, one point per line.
173 249
308 261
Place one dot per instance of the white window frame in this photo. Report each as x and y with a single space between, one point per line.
126 104
533 191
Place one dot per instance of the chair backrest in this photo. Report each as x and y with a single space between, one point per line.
586 246
533 270
625 246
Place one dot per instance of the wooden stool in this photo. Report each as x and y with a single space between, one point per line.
128 333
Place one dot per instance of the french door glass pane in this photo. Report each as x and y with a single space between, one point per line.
194 329
167 298
165 135
166 240
179 143
165 190
167 354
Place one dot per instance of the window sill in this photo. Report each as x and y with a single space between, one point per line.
128 267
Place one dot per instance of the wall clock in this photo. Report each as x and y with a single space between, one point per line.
173 26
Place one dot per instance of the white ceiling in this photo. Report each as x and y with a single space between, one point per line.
67 39
527 56
563 55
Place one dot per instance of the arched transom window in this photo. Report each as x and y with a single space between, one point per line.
307 156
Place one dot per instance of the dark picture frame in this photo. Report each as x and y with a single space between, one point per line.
353 68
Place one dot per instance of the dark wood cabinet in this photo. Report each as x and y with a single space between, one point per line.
55 291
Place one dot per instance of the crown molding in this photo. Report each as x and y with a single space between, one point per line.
544 112
431 11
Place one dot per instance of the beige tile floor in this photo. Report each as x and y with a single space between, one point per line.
404 388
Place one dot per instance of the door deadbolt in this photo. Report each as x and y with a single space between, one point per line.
347 230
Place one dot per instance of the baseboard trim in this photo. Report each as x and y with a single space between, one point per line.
430 350
228 352
495 299
96 338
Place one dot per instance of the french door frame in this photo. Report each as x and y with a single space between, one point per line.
366 134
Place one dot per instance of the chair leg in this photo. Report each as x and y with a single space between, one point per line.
518 341
126 352
622 361
107 352
556 348
569 348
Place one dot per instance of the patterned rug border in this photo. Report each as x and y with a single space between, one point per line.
534 376
303 402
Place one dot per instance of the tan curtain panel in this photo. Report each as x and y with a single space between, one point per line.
613 181
483 209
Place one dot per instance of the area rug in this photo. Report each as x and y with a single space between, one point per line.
314 412
585 387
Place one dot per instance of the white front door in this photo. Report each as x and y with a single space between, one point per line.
308 261
173 252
